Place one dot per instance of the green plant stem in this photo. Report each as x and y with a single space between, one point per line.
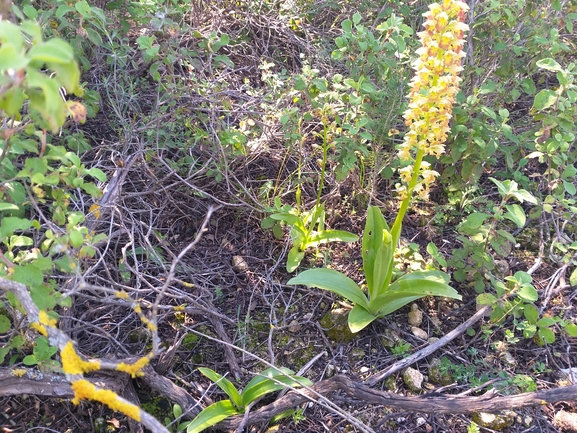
324 163
396 230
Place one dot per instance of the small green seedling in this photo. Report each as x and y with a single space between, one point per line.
304 235
268 381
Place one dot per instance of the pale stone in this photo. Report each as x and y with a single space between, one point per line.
413 379
493 421
415 316
418 332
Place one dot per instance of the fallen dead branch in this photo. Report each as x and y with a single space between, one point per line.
363 394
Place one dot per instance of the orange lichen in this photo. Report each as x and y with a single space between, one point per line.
72 363
85 390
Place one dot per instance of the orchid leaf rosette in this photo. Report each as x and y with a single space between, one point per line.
433 91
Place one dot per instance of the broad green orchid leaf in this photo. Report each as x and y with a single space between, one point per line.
269 381
411 287
359 318
287 217
375 262
212 415
294 258
432 275
318 238
334 281
316 216
391 304
224 384
382 271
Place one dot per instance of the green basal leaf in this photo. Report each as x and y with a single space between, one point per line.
212 415
267 374
411 287
315 216
359 318
432 275
382 271
224 384
372 241
318 238
287 217
333 281
294 259
269 381
176 411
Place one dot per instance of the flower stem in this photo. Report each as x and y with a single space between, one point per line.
396 230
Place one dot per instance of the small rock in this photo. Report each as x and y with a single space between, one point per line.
439 375
493 421
413 379
419 333
501 269
330 370
487 313
436 321
391 383
508 359
420 421
569 373
364 369
415 316
528 421
239 264
565 421
295 327
390 337
337 326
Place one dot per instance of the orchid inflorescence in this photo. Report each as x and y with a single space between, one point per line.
433 91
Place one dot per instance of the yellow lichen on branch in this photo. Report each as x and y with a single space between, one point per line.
134 369
73 364
84 390
44 320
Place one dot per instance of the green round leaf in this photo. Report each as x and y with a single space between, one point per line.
549 64
4 324
528 294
